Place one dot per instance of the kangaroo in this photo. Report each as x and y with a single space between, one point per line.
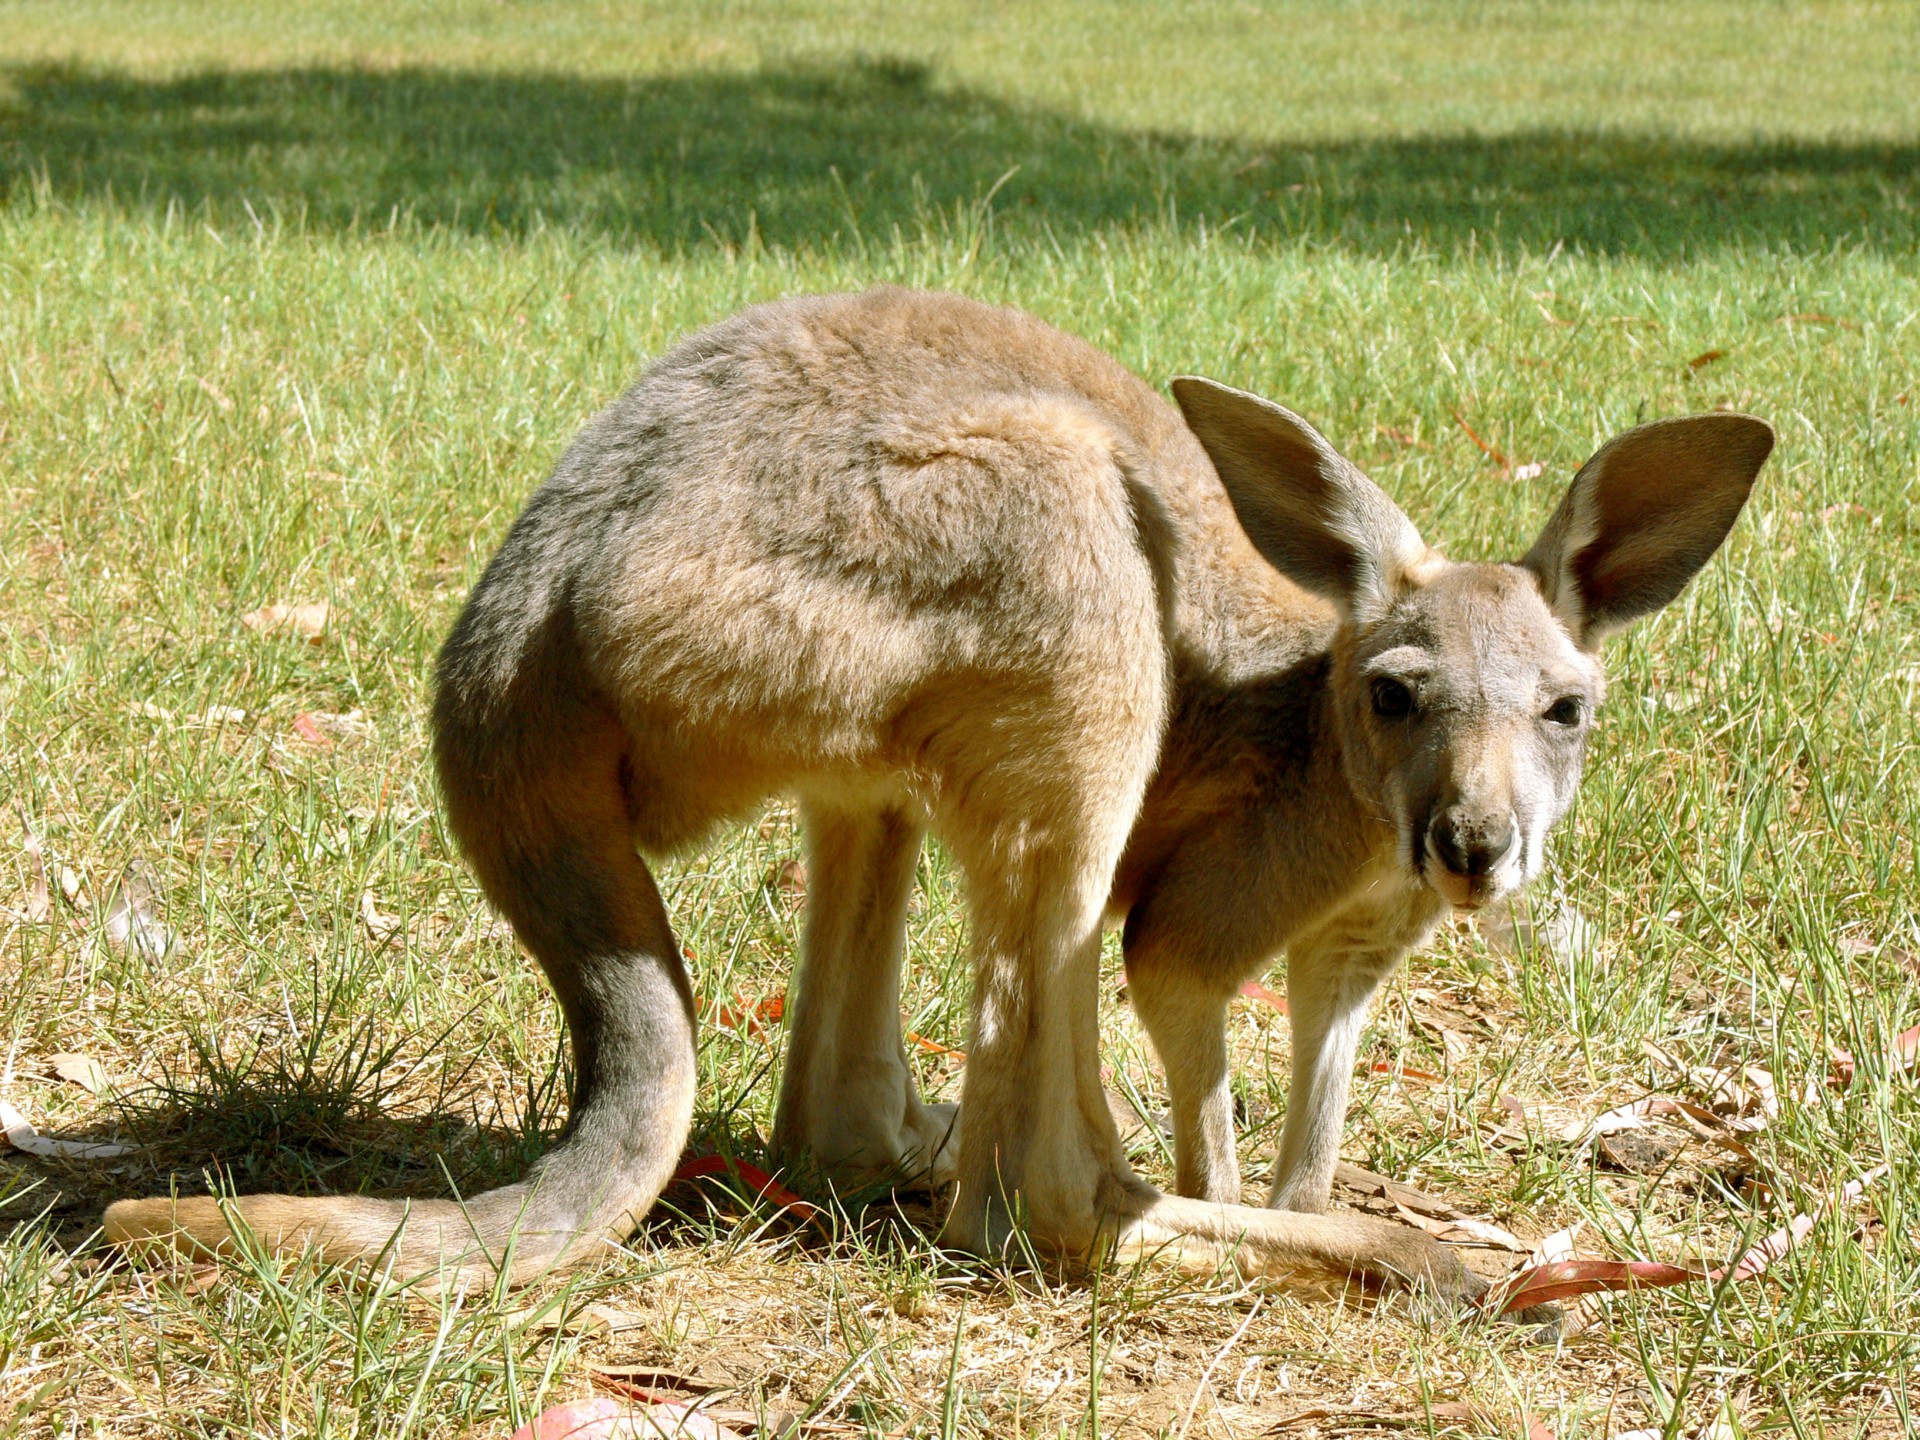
928 565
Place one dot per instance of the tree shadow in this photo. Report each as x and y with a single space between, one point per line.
264 1132
271 1130
827 155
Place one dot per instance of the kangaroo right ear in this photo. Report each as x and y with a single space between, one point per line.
1305 506
1646 512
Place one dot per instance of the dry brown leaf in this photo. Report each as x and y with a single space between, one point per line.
322 728
790 880
308 729
1744 1096
1556 1248
652 1377
29 1141
1445 1412
83 1070
1398 1192
1641 1152
308 620
39 906
594 1319
1466 1231
1561 1124
1705 358
379 924
132 921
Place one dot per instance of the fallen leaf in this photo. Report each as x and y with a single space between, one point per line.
308 620
336 725
1403 1072
764 1185
39 906
83 1070
783 1424
1559 1123
1705 358
379 924
1737 1093
1776 1245
1494 455
1558 1246
1403 1195
1541 1284
28 1141
652 1377
932 1047
588 1319
790 879
131 921
1466 1231
1564 1279
1254 990
748 1015
605 1418
1640 1152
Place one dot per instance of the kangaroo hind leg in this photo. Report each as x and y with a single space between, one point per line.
848 1098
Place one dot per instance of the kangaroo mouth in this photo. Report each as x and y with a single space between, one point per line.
1463 892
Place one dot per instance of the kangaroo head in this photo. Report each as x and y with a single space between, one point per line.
1464 692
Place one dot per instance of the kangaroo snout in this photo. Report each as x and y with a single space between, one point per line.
1465 852
1470 846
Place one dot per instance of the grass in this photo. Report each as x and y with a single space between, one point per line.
300 305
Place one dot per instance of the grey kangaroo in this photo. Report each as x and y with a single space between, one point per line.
926 564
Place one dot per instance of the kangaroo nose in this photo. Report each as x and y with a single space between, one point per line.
1468 848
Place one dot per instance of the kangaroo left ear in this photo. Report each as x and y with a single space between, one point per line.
1642 516
1306 507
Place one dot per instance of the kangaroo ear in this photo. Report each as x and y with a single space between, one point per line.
1305 506
1642 516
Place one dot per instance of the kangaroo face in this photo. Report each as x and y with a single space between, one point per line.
1466 690
1466 713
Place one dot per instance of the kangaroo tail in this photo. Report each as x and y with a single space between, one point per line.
534 765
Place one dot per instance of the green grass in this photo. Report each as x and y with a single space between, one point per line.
299 305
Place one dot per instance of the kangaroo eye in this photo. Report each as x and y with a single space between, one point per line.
1392 700
1565 711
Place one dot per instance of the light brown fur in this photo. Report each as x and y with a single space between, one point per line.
928 565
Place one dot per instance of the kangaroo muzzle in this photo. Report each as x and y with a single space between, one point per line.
1465 853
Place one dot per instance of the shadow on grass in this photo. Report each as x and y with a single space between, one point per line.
271 1131
824 156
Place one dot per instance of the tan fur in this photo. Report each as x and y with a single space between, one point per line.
928 565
